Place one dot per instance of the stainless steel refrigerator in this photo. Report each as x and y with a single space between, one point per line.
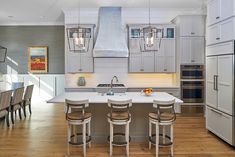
220 91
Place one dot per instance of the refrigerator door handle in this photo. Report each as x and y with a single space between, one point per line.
214 82
216 79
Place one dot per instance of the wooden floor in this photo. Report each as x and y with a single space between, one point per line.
44 135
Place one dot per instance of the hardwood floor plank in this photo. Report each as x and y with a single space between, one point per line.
44 134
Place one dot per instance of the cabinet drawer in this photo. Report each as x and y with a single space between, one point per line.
220 124
220 49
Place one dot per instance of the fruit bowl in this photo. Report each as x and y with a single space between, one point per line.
147 91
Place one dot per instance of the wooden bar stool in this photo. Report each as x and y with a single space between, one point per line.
163 116
119 115
76 116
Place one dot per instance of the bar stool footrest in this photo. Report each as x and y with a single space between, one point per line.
78 143
119 143
161 144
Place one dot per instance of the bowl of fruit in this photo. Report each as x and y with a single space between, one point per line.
147 91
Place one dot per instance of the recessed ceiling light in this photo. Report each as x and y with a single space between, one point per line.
10 16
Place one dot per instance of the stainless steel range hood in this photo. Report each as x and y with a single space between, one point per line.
111 38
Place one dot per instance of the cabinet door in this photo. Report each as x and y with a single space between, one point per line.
135 63
220 124
198 26
160 65
226 7
86 64
148 61
213 11
73 64
170 64
134 45
185 50
197 50
169 55
186 26
225 82
211 72
47 87
213 35
227 30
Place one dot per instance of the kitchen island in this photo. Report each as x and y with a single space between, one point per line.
142 105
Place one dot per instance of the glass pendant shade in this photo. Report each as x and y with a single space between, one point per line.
79 40
149 36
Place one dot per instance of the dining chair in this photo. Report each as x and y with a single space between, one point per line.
5 101
16 102
27 99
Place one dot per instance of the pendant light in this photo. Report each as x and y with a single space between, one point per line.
79 37
149 36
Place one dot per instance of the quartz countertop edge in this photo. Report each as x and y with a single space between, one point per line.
95 97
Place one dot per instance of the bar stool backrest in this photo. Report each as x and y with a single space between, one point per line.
119 106
165 108
18 96
5 99
76 105
28 92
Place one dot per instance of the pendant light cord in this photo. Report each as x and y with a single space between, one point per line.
149 13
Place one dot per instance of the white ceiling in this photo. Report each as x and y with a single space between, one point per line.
50 11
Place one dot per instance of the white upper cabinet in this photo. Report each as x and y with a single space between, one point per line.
154 60
190 25
165 57
77 63
219 10
192 50
141 62
221 32
213 12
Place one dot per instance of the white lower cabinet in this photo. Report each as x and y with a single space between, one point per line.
220 124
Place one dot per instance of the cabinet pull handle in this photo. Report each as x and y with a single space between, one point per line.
217 17
165 69
141 69
217 38
192 33
192 60
216 84
80 69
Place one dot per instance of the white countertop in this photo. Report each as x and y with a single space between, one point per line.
95 97
160 87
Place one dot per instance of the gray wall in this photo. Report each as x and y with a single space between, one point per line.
17 39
